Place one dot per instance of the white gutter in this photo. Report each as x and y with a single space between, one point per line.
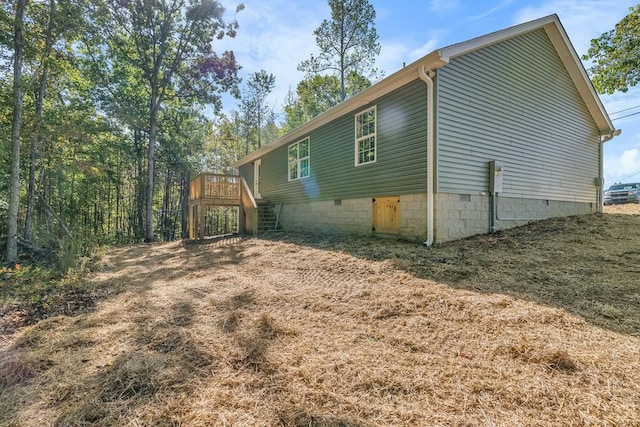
600 181
427 78
609 136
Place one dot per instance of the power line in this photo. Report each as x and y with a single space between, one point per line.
628 115
626 109
626 177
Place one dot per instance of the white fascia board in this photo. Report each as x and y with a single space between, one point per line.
487 40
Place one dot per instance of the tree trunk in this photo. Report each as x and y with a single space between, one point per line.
343 90
184 204
14 180
166 223
28 223
153 130
140 186
119 214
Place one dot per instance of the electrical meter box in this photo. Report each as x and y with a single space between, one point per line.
496 171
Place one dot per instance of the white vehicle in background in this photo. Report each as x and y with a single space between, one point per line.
622 193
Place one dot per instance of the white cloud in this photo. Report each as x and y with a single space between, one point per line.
394 55
501 5
441 6
582 19
274 36
425 49
623 167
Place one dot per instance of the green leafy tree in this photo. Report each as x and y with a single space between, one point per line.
316 94
169 44
224 144
182 135
348 42
616 55
14 180
254 110
87 117
39 105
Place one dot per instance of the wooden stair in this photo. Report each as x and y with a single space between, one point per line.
268 217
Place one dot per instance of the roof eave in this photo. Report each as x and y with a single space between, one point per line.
398 79
441 57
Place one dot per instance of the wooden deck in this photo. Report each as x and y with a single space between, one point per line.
209 189
215 189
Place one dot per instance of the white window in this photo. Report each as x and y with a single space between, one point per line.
366 137
299 159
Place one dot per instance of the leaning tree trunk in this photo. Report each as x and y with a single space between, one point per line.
14 180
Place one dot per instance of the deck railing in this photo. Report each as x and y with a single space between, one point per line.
210 189
214 186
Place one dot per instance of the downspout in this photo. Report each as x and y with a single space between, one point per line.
426 76
600 180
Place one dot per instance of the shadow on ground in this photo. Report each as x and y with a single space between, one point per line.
588 265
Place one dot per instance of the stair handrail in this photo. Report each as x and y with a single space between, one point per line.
249 206
246 193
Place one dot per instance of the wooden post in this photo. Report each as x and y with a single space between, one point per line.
192 219
200 208
242 219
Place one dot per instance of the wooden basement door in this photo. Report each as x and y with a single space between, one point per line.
386 215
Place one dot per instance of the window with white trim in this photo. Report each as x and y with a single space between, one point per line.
299 159
366 136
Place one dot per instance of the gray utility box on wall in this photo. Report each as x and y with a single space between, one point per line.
496 171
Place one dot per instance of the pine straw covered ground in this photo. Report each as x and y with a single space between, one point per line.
538 326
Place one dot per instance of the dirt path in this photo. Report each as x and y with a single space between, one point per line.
293 330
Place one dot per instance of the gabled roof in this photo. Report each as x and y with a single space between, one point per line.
440 58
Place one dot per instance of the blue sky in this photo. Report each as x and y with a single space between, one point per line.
276 35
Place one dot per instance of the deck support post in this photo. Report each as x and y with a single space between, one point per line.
209 189
200 209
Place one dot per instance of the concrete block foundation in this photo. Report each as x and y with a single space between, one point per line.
456 215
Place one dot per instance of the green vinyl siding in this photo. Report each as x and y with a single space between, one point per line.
400 166
246 171
515 102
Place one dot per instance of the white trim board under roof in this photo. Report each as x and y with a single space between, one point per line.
440 58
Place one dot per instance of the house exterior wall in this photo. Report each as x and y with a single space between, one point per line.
516 103
457 215
464 215
246 171
513 102
353 216
400 167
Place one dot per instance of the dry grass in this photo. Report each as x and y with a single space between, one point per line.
538 326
